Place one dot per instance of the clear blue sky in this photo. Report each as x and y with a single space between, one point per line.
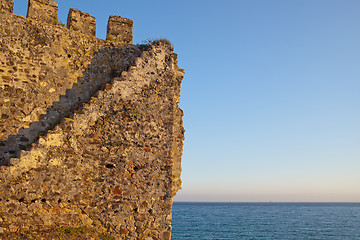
271 93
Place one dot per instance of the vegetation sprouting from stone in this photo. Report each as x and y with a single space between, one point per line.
150 41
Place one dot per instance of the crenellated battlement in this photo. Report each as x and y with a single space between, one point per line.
43 10
119 29
82 22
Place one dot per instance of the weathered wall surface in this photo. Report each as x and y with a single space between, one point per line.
39 63
119 29
7 5
43 10
81 22
100 134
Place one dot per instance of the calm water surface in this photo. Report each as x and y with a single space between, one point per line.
322 221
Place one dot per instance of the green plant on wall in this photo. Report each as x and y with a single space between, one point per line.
72 231
162 40
108 38
58 23
106 237
150 41
61 24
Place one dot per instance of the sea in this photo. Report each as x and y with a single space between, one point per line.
315 221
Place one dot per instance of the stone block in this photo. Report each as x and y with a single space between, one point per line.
119 29
7 5
81 22
43 10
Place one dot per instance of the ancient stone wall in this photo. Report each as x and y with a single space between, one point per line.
119 29
7 6
43 10
41 62
81 22
91 132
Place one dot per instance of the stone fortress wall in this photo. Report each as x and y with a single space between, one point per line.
91 133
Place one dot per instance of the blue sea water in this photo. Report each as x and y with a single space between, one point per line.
315 221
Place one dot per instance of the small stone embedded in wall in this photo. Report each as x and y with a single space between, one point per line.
119 29
7 5
43 10
81 22
117 191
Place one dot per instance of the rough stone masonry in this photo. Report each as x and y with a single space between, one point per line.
91 133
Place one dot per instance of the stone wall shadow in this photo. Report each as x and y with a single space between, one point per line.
106 64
